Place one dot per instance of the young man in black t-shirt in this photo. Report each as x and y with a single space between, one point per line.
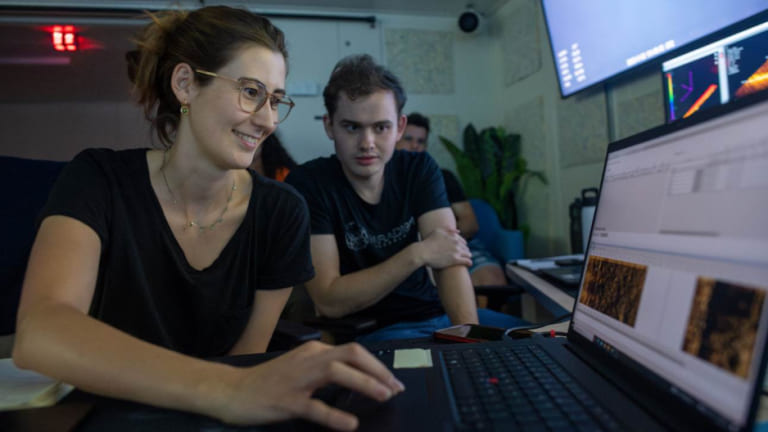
367 214
485 269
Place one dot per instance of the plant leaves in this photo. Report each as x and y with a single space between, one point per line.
491 167
510 151
487 153
472 145
466 168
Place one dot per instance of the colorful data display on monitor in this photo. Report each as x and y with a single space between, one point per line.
730 68
596 40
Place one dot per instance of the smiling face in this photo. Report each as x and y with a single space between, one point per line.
365 131
216 126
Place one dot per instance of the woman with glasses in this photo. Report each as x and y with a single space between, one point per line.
147 261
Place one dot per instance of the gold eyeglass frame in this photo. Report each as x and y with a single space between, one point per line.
270 96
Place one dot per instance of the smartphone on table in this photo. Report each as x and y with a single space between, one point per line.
470 333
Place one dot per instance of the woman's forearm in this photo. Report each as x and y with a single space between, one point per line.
60 341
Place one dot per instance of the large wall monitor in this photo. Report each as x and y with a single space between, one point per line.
594 40
716 73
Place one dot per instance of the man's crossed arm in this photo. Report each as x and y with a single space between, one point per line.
442 248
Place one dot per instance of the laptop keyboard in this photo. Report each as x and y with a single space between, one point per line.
519 388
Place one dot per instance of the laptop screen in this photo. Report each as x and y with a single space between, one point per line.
676 272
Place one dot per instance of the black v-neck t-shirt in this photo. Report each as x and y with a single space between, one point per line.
145 285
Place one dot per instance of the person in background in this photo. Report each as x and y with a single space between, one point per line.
272 159
146 261
369 204
485 269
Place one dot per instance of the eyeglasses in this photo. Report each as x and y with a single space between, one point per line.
253 95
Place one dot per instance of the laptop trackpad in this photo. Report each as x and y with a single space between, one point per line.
404 411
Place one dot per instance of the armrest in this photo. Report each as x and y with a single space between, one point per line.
300 309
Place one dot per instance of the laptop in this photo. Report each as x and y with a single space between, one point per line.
565 277
669 328
564 270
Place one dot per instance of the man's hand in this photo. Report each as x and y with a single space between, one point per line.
282 388
445 247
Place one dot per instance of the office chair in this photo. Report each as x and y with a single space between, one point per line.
504 244
24 187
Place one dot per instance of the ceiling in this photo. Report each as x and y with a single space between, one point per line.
426 7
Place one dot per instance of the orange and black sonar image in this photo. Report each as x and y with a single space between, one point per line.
748 65
722 327
614 288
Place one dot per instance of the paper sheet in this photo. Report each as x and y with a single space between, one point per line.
412 358
25 389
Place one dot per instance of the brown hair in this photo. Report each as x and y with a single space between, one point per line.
359 75
205 38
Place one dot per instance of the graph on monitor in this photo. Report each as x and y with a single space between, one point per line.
716 73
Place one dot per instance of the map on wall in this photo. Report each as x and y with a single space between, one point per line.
423 60
521 46
447 126
582 125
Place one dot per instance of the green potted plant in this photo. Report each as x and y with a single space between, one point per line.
491 168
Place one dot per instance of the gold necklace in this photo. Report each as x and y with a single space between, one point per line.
193 223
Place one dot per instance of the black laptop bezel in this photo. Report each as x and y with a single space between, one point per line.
654 387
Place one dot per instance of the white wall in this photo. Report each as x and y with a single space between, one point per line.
314 47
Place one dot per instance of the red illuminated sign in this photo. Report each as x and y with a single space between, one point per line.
64 38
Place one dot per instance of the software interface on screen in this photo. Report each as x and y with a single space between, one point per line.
677 267
717 73
596 39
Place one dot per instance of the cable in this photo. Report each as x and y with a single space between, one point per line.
537 325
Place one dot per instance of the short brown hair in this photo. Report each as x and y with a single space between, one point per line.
359 75
205 38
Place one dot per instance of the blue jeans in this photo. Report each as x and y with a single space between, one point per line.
420 329
481 256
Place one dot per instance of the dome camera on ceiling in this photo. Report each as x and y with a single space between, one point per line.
469 20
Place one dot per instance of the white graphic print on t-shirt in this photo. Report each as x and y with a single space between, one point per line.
358 238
